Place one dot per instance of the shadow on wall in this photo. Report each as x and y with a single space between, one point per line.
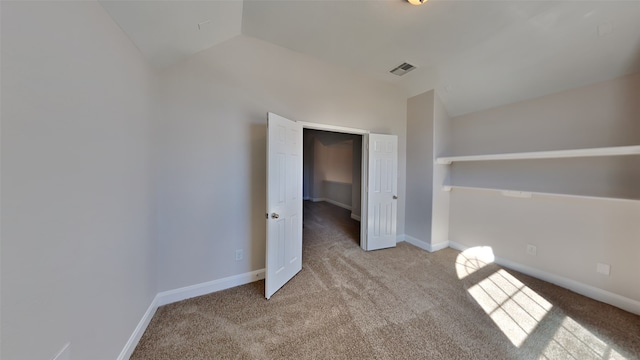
627 174
606 114
258 173
626 171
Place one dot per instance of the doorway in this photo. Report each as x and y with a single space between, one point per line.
332 174
285 195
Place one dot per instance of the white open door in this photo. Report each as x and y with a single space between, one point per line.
284 202
381 193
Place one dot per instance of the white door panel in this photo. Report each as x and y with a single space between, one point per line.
284 202
382 204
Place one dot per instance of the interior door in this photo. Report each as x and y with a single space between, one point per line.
284 202
382 190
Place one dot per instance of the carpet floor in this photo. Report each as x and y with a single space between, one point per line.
399 303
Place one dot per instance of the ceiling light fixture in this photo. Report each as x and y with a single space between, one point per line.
417 2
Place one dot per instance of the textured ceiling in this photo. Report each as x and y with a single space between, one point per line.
476 54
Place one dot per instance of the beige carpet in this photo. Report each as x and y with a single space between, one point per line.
401 303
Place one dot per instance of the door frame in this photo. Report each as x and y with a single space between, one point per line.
364 178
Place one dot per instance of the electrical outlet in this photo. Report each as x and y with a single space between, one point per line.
239 254
604 269
532 250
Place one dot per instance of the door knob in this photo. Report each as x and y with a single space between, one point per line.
395 197
274 216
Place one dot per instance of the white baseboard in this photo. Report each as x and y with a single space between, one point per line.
400 238
439 246
187 292
425 245
133 341
344 206
457 246
336 203
589 291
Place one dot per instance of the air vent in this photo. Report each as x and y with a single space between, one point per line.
402 69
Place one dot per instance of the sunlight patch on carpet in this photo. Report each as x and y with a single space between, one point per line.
473 259
514 307
573 341
517 311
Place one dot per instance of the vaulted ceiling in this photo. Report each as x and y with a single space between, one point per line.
477 54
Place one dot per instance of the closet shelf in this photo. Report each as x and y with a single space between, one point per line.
529 194
590 152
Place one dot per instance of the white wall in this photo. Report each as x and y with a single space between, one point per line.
356 184
338 173
210 153
420 113
333 162
441 176
308 164
333 172
428 128
604 114
77 255
571 235
333 167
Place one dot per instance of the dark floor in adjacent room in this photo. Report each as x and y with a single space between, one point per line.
399 303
